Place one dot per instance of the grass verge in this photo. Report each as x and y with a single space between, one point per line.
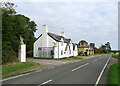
18 68
114 74
71 58
115 56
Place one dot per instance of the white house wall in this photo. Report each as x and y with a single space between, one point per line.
62 48
41 42
38 43
51 41
75 52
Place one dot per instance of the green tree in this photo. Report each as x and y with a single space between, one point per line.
103 49
96 50
13 26
108 47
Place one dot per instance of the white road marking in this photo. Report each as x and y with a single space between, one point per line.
46 82
15 77
60 65
39 71
51 67
80 66
102 72
94 60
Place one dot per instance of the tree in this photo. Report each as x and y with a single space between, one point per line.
96 50
102 49
13 26
80 53
108 47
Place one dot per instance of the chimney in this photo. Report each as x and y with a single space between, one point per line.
45 29
62 34
44 36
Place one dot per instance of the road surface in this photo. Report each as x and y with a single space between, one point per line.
86 71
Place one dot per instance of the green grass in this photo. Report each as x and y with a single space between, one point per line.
114 74
17 68
71 58
116 56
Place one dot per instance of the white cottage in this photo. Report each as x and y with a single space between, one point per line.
49 45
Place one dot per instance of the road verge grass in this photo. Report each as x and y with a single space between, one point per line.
115 56
114 72
18 68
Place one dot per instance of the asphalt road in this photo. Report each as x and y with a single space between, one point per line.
86 71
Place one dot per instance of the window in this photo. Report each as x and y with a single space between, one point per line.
39 48
82 43
52 52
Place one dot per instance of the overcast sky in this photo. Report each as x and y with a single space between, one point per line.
91 20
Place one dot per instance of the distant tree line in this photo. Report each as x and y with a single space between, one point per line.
13 26
103 49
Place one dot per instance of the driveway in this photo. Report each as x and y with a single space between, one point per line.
50 63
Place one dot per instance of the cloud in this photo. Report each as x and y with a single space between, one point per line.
94 22
64 0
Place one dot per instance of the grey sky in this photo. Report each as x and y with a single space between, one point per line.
92 21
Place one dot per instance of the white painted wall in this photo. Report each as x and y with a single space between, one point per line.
51 41
75 52
37 44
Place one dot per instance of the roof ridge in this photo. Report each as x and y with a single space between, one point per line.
58 37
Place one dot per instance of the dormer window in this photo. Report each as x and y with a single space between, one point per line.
82 43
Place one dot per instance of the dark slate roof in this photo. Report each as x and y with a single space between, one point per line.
58 37
38 37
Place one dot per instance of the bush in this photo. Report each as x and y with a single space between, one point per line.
9 56
30 54
80 53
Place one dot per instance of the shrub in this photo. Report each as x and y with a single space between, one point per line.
80 53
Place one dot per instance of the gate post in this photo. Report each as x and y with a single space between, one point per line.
22 51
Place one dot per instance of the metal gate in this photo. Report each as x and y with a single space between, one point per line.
46 52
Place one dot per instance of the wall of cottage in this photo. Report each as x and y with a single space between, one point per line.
38 43
75 52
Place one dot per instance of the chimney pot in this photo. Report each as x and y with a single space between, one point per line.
63 34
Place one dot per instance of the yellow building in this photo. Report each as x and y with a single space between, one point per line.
85 48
